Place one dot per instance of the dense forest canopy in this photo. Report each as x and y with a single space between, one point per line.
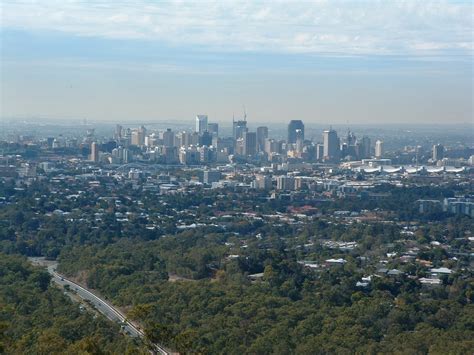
37 318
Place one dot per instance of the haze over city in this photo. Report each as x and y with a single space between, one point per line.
322 62
236 177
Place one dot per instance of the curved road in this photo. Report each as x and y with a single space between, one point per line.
102 306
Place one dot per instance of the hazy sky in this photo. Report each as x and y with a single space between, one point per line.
320 61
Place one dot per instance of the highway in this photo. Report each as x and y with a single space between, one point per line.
102 306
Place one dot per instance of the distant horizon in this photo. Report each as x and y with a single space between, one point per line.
226 123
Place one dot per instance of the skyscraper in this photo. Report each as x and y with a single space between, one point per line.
94 152
272 146
213 128
205 139
364 150
138 136
118 132
239 128
331 145
293 126
250 143
168 138
201 123
379 149
299 140
262 134
319 151
438 152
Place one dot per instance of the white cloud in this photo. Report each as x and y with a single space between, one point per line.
337 27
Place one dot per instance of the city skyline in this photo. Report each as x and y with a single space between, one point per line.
338 62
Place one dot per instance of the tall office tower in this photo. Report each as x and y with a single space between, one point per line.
273 146
379 149
120 152
184 138
205 139
438 152
194 138
299 140
210 176
239 128
309 152
262 134
94 152
350 138
201 123
118 132
213 128
115 154
136 138
293 126
142 131
170 155
168 138
127 137
250 143
331 145
263 182
239 146
203 154
365 149
224 143
319 151
150 141
285 183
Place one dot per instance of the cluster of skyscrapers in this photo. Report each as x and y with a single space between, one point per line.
205 145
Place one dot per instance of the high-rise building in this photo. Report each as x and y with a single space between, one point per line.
319 151
170 155
142 131
331 145
94 152
273 146
201 123
250 143
438 152
263 182
350 138
118 132
299 140
181 139
293 126
138 136
364 149
168 138
262 134
205 139
379 149
224 143
285 183
213 128
50 141
210 176
194 138
239 128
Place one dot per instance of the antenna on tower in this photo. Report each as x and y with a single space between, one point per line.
245 114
